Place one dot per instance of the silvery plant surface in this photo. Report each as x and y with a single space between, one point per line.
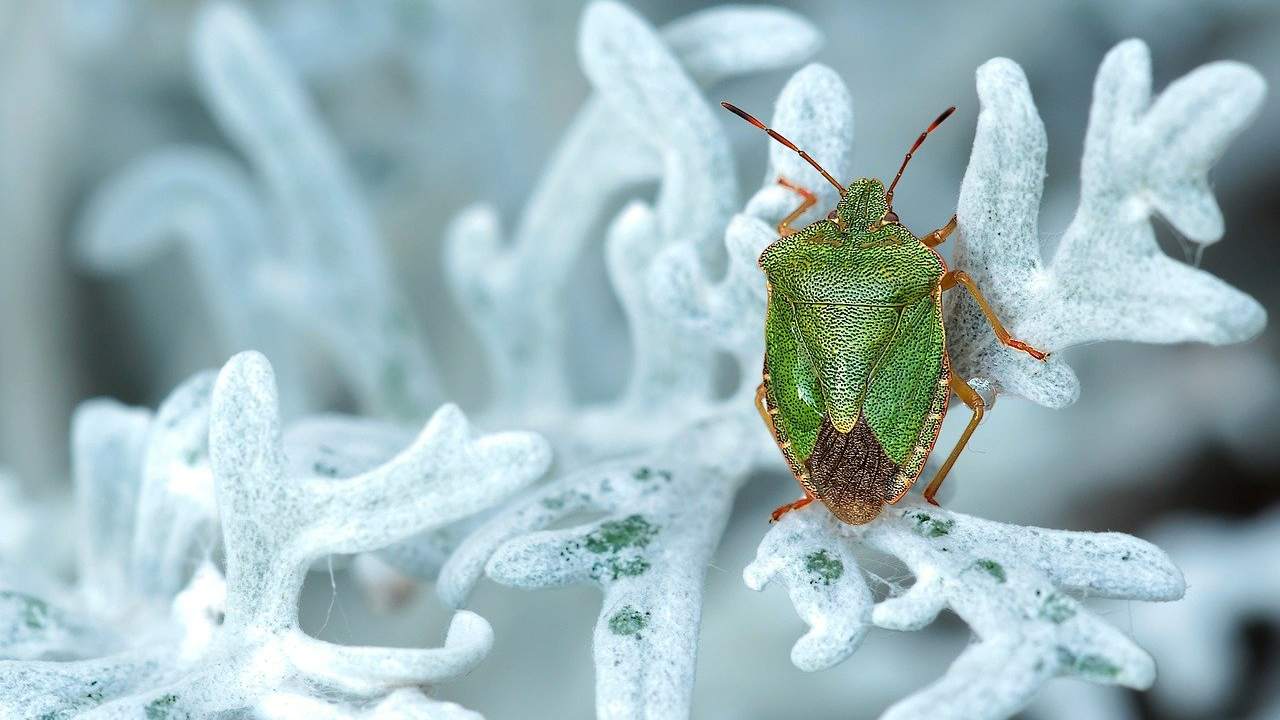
195 525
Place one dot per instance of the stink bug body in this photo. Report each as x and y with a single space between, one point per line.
856 376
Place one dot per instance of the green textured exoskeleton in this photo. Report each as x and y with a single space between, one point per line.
856 375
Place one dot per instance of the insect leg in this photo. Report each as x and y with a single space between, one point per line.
971 398
939 236
762 407
949 281
796 505
784 227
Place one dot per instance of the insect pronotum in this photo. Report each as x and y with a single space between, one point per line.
856 376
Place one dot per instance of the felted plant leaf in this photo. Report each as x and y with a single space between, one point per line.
647 121
236 644
1107 279
813 110
297 253
663 513
1018 588
667 490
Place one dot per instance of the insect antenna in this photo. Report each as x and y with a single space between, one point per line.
780 138
888 196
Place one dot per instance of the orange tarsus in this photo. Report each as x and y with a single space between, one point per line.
888 196
780 138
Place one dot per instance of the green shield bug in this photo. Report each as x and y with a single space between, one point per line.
856 374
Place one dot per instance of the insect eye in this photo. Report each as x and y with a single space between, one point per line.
890 218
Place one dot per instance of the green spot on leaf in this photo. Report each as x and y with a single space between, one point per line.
629 568
628 621
1057 608
616 535
931 527
615 568
1097 665
645 474
1094 665
993 568
826 569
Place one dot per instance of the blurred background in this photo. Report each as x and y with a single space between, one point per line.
436 105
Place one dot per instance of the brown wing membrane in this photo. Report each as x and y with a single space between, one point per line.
851 472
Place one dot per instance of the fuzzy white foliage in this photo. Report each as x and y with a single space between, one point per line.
1107 279
1015 657
292 256
1225 563
814 110
666 492
402 704
235 644
1013 585
664 511
145 518
344 446
650 476
647 121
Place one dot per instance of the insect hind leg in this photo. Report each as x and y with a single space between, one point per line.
810 199
974 401
960 277
793 505
762 406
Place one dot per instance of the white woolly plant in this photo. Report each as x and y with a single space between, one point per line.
289 255
663 462
649 477
149 636
1225 563
1017 587
1107 279
1020 589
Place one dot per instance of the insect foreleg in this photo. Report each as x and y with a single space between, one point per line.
784 227
939 236
974 401
950 280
